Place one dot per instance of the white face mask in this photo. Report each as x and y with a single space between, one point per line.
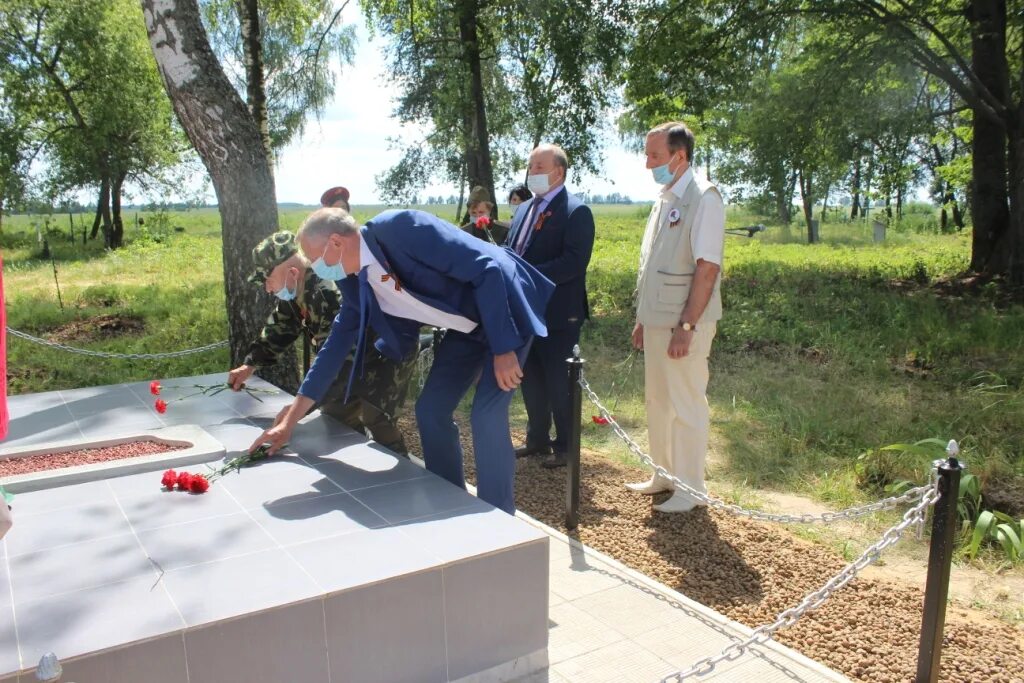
285 294
538 184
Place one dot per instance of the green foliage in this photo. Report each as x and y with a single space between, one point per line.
983 528
898 466
561 63
431 65
999 529
80 76
548 71
889 467
157 228
14 153
299 39
817 97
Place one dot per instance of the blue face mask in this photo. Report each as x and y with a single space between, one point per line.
662 174
326 272
285 294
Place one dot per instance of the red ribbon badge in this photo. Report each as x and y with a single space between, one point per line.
540 221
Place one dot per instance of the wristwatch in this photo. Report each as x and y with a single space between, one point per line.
687 327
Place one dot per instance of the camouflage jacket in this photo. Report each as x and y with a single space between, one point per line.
311 312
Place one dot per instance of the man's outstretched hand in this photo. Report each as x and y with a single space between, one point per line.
507 371
276 437
281 432
237 377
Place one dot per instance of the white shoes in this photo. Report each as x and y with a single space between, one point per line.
679 502
652 486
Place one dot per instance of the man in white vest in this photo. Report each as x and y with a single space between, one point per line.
678 306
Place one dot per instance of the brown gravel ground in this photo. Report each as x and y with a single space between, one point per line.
751 571
97 328
86 456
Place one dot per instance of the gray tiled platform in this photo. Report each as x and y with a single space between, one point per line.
338 562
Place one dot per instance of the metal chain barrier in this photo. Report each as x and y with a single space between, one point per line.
910 496
423 363
817 598
105 354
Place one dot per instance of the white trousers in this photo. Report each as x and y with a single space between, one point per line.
678 417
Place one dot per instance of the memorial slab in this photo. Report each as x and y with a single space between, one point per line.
337 561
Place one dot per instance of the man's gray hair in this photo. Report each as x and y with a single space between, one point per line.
327 221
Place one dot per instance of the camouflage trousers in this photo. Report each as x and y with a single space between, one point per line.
377 398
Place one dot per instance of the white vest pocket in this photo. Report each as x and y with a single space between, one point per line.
673 294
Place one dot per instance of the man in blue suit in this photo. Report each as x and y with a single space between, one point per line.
554 233
406 268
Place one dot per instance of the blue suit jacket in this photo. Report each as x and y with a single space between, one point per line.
441 266
561 251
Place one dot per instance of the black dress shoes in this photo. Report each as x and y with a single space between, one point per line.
555 460
528 450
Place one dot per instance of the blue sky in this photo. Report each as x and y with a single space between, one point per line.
348 145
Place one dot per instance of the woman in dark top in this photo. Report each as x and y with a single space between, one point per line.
519 194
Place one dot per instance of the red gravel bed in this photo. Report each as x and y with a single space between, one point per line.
85 456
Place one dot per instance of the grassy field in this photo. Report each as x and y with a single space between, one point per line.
826 352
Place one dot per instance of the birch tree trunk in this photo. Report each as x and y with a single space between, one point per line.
256 93
227 139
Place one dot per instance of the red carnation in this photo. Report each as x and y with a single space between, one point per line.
154 388
184 481
170 479
483 222
161 406
199 484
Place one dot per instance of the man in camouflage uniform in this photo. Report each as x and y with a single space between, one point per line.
377 397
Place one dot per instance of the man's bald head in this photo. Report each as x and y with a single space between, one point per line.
550 160
555 154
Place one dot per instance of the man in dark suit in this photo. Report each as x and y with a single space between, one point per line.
406 268
554 233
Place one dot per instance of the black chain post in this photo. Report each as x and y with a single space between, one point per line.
307 350
940 559
438 336
572 490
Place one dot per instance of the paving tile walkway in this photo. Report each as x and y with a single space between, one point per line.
608 623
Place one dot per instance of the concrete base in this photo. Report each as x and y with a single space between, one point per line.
337 562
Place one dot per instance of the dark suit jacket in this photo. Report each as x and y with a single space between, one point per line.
560 249
441 266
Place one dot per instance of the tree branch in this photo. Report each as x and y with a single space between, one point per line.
58 82
994 105
330 26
